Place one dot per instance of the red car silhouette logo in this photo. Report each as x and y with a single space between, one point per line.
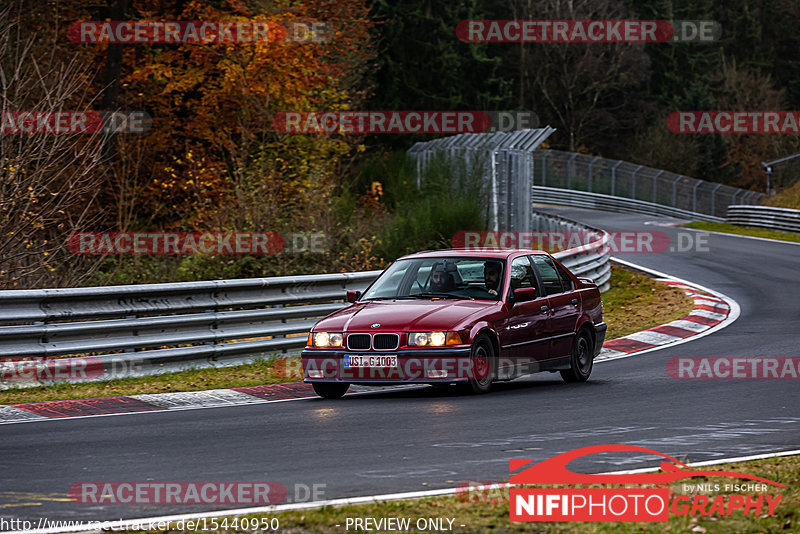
554 470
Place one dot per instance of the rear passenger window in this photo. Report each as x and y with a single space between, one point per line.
566 281
550 278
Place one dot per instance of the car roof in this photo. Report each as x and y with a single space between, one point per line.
497 253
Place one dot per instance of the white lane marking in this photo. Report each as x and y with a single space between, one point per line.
742 236
652 338
120 525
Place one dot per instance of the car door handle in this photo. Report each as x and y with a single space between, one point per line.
543 308
574 301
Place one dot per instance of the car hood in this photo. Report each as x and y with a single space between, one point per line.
402 315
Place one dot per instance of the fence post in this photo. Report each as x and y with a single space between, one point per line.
733 198
633 182
493 164
655 185
713 192
694 196
590 172
544 168
569 170
614 175
675 191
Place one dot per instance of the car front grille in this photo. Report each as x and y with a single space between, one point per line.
385 341
358 341
373 341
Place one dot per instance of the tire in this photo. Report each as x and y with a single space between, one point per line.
330 390
484 365
581 360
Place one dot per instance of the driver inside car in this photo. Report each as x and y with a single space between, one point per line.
441 281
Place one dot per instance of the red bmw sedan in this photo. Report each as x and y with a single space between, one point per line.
459 316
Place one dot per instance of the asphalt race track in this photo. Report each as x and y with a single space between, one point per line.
419 439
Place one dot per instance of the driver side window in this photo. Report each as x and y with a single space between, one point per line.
522 274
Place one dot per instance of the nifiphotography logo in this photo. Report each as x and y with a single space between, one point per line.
622 503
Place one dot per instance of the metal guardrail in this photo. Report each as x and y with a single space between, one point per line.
787 220
146 326
583 199
593 174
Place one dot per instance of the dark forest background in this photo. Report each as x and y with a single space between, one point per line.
213 162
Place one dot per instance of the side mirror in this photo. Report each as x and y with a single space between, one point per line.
353 295
525 294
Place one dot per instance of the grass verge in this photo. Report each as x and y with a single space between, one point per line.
727 228
634 302
482 516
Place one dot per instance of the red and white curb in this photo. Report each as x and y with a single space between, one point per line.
712 311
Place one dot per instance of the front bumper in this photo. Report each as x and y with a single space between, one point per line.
599 337
425 366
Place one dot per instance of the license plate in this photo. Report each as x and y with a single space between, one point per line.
369 360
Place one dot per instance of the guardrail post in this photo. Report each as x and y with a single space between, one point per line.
633 182
590 172
733 198
614 176
569 170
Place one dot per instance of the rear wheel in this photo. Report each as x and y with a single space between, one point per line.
580 361
330 390
483 365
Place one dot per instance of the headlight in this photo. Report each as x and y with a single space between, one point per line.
325 339
427 339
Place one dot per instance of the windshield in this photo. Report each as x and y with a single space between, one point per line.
442 277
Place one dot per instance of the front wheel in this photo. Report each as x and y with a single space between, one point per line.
482 365
580 361
330 390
